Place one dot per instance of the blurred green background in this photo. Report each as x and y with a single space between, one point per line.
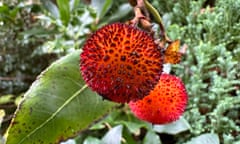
34 33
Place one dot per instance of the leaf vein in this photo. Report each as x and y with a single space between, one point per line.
55 113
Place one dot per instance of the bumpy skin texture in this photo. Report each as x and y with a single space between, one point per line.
121 62
165 104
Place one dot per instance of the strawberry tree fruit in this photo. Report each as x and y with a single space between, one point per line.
165 104
121 62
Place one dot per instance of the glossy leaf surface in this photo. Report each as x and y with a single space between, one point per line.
173 128
208 138
101 7
51 7
113 136
57 106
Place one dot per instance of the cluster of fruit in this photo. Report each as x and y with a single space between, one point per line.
124 64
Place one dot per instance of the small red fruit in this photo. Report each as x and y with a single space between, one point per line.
164 104
121 62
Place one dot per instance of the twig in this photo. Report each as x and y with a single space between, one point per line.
141 10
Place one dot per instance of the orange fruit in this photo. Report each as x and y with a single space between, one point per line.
121 62
165 104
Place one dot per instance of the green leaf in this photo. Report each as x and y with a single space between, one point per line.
122 11
57 106
51 7
4 9
64 9
2 115
151 138
70 141
113 136
133 127
6 99
207 138
74 4
92 140
7 14
173 128
128 137
101 7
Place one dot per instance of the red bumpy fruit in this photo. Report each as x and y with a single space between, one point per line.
121 62
164 104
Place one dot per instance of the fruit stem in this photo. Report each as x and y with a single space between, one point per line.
158 19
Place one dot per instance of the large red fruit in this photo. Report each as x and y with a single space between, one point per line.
165 104
121 62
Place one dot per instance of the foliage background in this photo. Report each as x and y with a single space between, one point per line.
35 33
